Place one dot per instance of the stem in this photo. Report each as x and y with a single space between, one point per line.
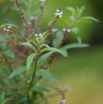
33 73
11 70
74 21
8 63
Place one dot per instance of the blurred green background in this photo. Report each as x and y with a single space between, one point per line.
83 69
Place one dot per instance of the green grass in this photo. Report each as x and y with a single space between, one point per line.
83 72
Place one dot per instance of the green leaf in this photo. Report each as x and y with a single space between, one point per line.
45 74
90 18
62 21
17 71
73 11
22 99
64 50
9 53
80 10
46 32
58 38
29 45
54 50
6 100
59 51
44 45
75 45
8 24
8 20
82 21
3 46
2 97
76 31
72 17
3 37
50 22
17 36
43 58
39 89
29 60
45 36
34 43
44 50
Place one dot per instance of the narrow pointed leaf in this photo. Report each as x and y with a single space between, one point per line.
44 45
58 38
50 22
17 71
29 45
59 51
8 24
46 32
6 100
9 53
54 50
2 97
90 18
45 74
3 46
62 21
82 21
75 45
39 89
76 31
73 11
43 58
29 60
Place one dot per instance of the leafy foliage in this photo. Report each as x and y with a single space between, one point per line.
28 55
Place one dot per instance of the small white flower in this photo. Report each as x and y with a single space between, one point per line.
4 28
40 34
36 34
62 102
54 30
68 88
7 30
64 29
33 17
9 27
60 16
68 30
29 23
42 3
42 0
56 14
58 10
24 24
59 13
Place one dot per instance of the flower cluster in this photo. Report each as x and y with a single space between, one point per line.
62 102
66 29
47 67
38 33
54 30
33 17
7 28
42 1
59 13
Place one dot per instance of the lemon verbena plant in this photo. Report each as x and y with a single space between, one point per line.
25 59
